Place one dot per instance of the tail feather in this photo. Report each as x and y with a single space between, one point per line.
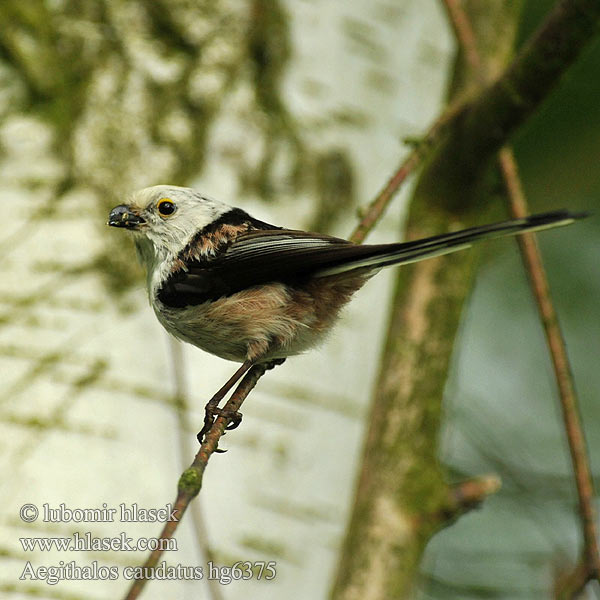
408 252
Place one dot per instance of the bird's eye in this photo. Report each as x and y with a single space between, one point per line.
165 207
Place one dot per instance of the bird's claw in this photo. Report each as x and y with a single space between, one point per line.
209 419
211 414
234 420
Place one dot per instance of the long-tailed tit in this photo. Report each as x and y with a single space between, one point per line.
254 293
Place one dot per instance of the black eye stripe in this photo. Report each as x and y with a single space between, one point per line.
165 207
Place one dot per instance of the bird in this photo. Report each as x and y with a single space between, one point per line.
255 293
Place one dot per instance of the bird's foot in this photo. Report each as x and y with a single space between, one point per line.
210 415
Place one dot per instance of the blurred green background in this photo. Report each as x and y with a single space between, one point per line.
503 412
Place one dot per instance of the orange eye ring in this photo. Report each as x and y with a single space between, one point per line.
165 207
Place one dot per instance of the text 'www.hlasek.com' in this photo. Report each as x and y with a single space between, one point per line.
86 542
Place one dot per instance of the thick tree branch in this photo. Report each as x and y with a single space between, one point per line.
538 67
489 121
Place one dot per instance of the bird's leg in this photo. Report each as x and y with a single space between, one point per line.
211 409
236 417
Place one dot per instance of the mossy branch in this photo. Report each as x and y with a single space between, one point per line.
190 481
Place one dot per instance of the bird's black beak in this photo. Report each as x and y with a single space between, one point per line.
124 216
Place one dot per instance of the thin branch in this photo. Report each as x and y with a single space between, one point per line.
192 477
183 430
464 35
379 204
556 345
190 481
569 586
562 369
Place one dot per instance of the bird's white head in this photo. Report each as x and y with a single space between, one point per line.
163 219
166 216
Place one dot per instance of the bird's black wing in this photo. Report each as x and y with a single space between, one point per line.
258 257
282 255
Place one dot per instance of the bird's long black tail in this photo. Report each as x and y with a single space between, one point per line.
407 252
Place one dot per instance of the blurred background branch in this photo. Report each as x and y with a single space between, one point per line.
532 259
589 567
401 484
